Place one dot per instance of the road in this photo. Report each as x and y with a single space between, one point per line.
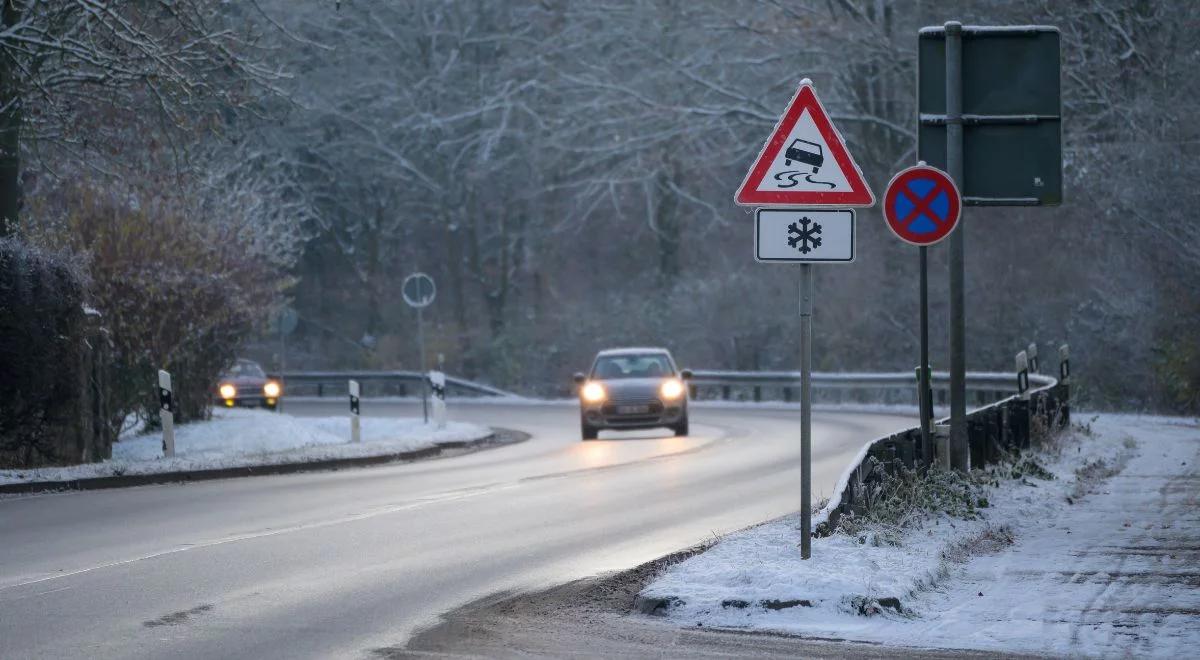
336 564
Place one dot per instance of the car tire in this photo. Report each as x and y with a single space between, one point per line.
270 406
589 432
681 429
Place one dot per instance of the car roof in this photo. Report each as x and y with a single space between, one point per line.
632 351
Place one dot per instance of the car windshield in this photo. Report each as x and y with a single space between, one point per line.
245 370
644 365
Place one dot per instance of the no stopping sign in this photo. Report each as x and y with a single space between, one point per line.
922 205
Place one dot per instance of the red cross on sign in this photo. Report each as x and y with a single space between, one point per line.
922 205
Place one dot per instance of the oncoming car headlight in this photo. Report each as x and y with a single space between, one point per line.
593 392
271 389
227 391
671 389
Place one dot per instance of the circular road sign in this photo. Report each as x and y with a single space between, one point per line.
418 290
287 320
922 205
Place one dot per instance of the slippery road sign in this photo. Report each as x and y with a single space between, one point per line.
922 205
804 162
804 235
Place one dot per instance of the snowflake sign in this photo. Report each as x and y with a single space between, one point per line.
804 237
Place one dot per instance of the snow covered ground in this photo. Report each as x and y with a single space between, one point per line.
239 438
1101 560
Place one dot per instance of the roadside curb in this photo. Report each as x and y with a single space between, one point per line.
497 438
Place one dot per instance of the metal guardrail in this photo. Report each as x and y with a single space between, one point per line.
994 432
897 387
376 383
893 387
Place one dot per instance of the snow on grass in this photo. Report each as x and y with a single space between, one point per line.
1095 556
240 438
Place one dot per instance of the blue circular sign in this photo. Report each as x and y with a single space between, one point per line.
922 205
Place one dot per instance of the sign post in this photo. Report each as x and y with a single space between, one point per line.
1000 140
958 321
922 207
419 291
287 321
804 164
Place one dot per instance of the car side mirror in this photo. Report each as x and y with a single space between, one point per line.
579 378
686 374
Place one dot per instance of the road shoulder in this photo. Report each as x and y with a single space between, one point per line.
597 618
497 438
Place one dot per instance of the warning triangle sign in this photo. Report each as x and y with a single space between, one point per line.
805 162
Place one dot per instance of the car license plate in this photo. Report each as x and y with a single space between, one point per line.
632 410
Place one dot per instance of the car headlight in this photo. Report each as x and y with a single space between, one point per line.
593 392
671 389
227 391
272 389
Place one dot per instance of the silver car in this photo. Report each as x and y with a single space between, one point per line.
633 388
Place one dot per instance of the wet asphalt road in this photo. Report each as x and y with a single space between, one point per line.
337 563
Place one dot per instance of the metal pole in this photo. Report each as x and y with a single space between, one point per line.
282 367
923 370
959 453
421 368
806 307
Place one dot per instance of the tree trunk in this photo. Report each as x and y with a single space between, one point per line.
668 226
10 132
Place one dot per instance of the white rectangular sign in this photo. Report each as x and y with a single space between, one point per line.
804 235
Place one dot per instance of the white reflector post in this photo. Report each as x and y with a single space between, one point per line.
166 411
354 424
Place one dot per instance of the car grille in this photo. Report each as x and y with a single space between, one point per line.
654 407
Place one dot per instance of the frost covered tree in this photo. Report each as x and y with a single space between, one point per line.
74 74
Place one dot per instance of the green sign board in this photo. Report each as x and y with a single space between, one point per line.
1012 113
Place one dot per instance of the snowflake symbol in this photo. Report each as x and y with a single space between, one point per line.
807 237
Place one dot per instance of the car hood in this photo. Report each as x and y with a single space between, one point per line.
247 382
633 388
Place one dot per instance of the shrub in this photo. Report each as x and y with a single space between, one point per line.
51 380
907 498
176 292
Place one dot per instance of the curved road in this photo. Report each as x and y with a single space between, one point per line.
335 564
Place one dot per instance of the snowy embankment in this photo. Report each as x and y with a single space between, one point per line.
241 438
1090 546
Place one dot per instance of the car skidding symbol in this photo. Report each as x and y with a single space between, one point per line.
809 153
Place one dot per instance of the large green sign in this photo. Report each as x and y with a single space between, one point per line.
1012 113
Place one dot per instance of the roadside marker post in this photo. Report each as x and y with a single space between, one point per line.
419 291
1023 374
922 206
355 392
1064 379
437 382
166 411
1033 357
804 164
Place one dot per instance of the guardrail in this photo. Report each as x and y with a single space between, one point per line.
1040 406
376 383
897 387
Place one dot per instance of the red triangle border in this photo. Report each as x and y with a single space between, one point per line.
859 195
